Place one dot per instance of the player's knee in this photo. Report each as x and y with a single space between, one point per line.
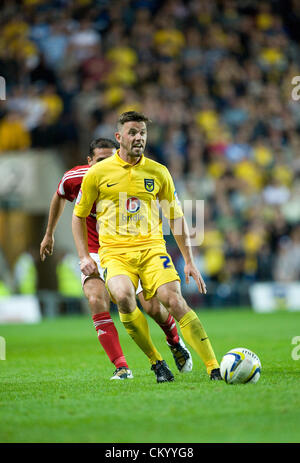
153 307
174 301
98 303
177 306
125 298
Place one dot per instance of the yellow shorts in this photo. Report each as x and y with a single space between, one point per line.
154 267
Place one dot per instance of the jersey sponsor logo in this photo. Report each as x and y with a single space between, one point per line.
149 184
132 218
133 205
79 197
111 184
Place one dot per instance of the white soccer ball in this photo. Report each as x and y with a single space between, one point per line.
239 366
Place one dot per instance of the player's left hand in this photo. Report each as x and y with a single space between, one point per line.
88 266
191 270
46 248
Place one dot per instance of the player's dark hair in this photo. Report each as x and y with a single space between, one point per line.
130 116
101 143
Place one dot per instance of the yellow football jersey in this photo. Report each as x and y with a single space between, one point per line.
127 202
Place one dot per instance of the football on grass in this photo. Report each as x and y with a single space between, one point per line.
240 365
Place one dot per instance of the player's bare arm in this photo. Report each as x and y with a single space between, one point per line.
56 209
181 234
87 265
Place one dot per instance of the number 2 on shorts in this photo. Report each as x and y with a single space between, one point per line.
166 261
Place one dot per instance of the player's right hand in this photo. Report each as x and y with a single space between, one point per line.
88 266
191 270
46 248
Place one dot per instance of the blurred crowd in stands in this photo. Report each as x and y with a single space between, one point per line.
215 77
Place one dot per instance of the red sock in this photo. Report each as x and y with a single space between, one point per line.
170 329
109 338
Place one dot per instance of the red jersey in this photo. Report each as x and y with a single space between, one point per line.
68 188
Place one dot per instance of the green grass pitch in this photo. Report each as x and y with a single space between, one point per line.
55 387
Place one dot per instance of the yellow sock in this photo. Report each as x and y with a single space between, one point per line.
195 335
137 327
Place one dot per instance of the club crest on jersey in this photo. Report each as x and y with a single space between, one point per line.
149 184
133 205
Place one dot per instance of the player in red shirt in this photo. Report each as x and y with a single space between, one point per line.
93 286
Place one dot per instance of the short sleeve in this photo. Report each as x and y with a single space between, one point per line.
65 189
168 198
87 195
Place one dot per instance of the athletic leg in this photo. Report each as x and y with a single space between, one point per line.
122 291
161 316
99 302
166 322
192 330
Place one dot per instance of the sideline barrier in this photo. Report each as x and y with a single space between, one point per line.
20 309
272 297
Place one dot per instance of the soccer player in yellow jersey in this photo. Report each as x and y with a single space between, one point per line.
127 188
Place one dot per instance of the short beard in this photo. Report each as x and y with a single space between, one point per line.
134 155
130 152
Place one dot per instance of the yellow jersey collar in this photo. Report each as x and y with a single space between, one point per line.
126 164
